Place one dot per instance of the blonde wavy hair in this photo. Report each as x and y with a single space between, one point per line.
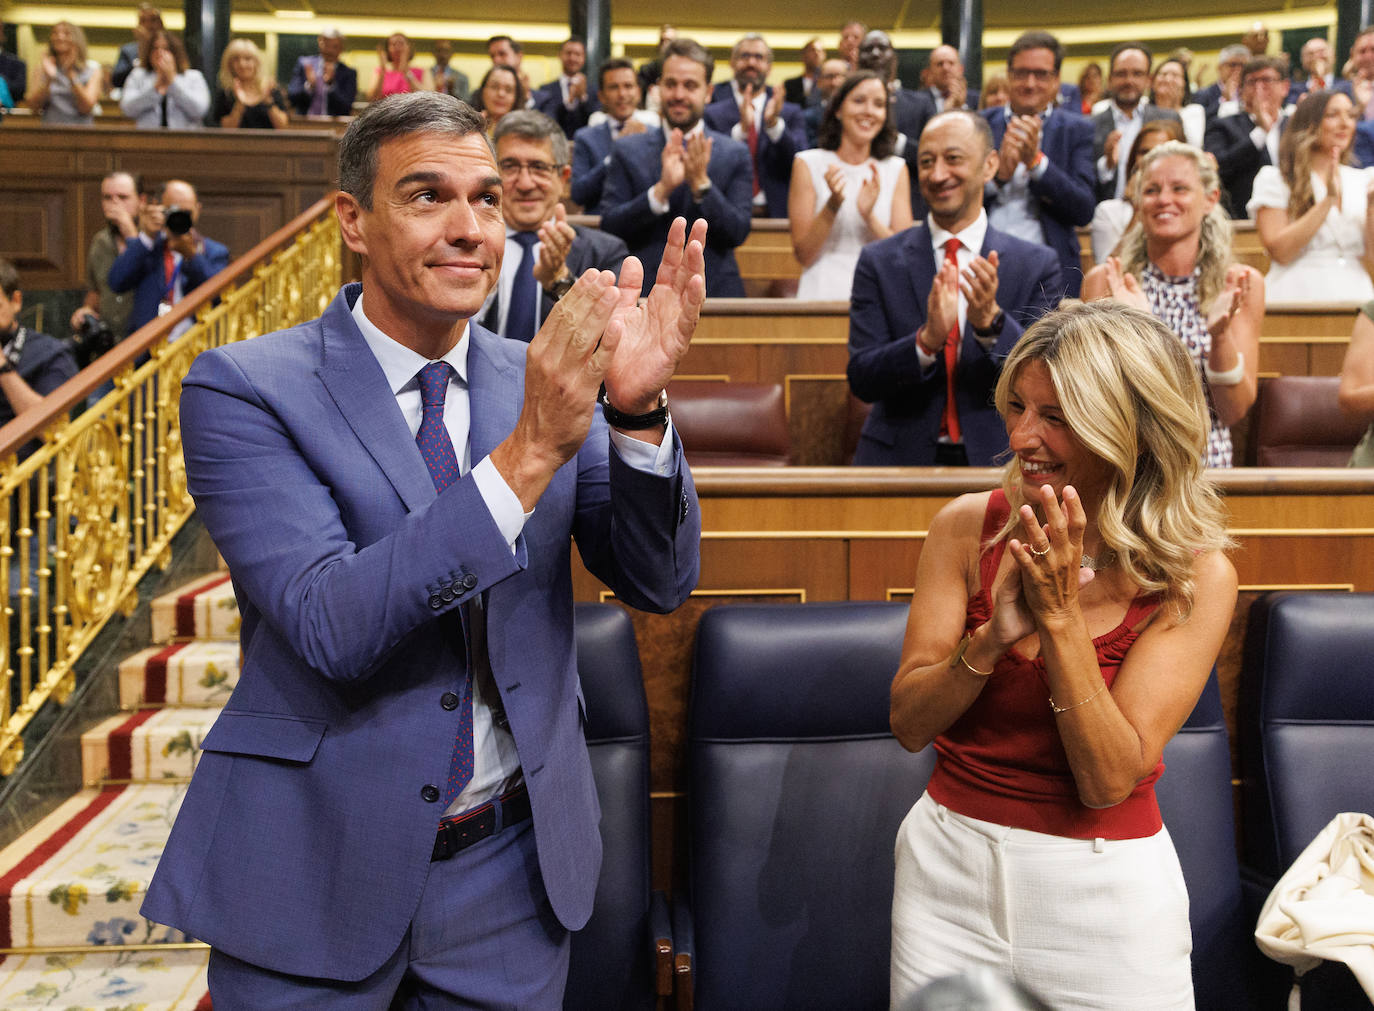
1300 141
1131 395
1214 240
243 47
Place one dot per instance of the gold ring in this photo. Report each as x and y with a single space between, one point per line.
1042 553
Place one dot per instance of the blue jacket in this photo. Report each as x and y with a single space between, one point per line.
304 840
775 156
140 269
892 285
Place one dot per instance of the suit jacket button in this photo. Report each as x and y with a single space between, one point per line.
436 601
447 594
469 581
429 794
449 700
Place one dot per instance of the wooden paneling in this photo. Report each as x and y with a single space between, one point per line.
250 182
813 534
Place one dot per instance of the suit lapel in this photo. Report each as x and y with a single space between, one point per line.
495 392
921 258
355 381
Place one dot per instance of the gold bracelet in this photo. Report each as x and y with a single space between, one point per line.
959 657
1065 709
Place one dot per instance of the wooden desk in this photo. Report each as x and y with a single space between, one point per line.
250 183
816 534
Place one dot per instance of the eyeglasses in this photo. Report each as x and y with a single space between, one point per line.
1031 74
511 168
1268 81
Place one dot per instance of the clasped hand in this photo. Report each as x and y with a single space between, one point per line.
1042 588
978 283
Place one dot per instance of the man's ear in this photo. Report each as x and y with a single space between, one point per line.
990 166
351 216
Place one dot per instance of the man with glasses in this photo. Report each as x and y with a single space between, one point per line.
1043 190
544 254
1115 127
1222 97
1245 142
756 115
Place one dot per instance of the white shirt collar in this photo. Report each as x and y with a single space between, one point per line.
971 237
399 363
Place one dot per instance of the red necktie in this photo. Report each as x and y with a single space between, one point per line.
949 424
169 274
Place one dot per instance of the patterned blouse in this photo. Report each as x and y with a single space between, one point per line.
1173 300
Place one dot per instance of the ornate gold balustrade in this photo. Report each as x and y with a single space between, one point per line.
91 502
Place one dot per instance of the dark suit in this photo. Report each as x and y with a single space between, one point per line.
350 573
549 100
1064 195
338 97
1071 98
636 165
1210 100
910 111
892 285
775 156
140 269
794 91
591 157
591 248
1238 160
1364 143
1104 123
970 100
16 74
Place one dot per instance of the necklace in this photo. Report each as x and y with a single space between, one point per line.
1087 561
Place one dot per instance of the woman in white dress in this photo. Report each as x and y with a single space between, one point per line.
1312 211
1169 90
848 191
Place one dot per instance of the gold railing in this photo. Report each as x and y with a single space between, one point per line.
94 504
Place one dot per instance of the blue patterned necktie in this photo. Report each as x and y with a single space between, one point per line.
437 449
520 314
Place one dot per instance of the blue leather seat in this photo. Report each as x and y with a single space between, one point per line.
1194 794
796 789
1306 729
613 957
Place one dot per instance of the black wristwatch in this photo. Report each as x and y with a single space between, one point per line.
657 418
559 288
992 329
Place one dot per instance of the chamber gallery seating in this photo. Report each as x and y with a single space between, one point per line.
1297 422
731 424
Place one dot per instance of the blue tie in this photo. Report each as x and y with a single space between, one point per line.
520 314
437 449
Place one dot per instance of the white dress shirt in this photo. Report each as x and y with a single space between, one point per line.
970 245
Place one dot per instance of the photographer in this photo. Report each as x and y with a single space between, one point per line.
167 257
103 318
32 365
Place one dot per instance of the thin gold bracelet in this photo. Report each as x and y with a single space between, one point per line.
1065 709
959 655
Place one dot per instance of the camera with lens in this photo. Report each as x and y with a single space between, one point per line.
178 220
91 340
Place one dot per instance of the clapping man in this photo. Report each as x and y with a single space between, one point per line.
323 85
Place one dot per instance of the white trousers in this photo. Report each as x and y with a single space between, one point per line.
1080 923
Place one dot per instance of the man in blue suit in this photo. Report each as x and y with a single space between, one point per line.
396 807
757 116
681 170
324 85
927 336
161 266
620 116
567 99
1045 182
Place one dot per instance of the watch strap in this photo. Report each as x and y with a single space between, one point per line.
657 418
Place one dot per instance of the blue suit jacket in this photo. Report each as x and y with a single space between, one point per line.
892 285
1364 143
548 99
637 164
304 840
338 98
141 269
775 157
1065 193
590 158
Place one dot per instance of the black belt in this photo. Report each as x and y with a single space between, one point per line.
461 831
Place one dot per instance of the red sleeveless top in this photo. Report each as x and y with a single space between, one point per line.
1002 761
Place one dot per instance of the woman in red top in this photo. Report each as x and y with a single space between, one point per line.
1061 631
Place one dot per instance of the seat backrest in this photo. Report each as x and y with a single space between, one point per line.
796 790
1195 798
731 424
1306 720
1298 423
610 963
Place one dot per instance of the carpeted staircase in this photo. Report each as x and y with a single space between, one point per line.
73 884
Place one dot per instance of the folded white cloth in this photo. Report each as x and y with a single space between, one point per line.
1323 906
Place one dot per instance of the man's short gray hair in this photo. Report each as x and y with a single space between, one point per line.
392 117
532 125
750 37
